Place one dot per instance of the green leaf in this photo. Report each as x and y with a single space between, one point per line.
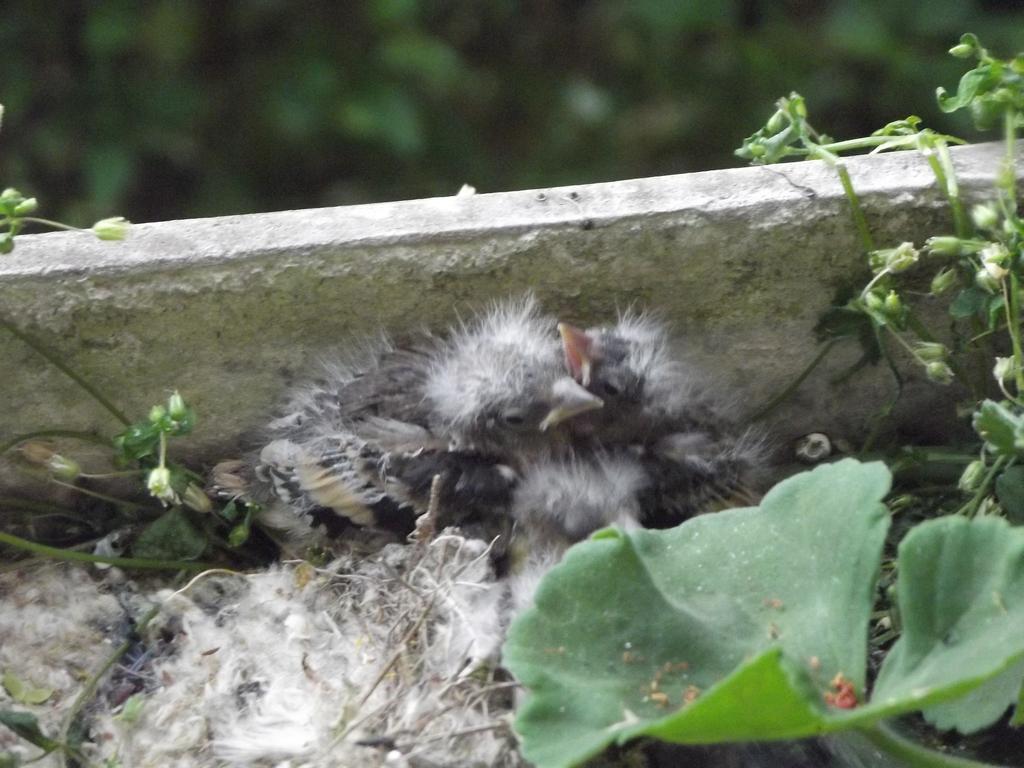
961 600
137 442
22 692
997 426
980 707
26 726
170 537
240 533
1018 711
995 311
1010 491
968 303
973 83
753 612
230 511
132 708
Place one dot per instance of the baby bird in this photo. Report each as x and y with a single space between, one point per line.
362 447
571 497
563 500
694 455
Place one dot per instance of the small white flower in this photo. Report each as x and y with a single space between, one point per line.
159 484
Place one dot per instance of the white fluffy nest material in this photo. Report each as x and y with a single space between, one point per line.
371 661
56 629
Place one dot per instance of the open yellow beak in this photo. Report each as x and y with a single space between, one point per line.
577 347
569 399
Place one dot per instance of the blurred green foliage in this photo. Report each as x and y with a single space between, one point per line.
171 108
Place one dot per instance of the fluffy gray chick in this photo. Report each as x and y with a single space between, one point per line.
500 387
561 501
362 446
660 409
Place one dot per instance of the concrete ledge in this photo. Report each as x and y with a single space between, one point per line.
231 310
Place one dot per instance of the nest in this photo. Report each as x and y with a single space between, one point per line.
387 659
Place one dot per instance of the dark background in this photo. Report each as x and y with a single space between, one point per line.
174 108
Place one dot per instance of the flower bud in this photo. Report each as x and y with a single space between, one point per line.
939 372
972 476
897 259
195 498
996 270
799 105
874 301
944 245
985 281
930 351
893 304
159 485
11 196
962 50
63 468
944 280
176 406
776 122
25 207
901 502
114 228
37 451
6 242
1004 369
984 216
904 256
157 414
995 253
988 507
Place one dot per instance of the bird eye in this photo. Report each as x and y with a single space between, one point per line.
609 389
513 419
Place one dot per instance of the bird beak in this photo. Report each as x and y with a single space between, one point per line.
577 347
570 399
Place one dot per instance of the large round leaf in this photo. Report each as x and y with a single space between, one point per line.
732 626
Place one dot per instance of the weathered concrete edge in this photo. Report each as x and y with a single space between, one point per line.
159 246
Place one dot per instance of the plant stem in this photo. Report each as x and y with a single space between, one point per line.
903 343
971 506
65 369
105 497
819 151
108 475
885 410
864 142
89 437
1011 296
1008 180
83 557
945 173
914 323
858 213
89 690
912 754
51 223
874 280
772 404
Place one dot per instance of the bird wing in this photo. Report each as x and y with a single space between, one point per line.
693 472
390 386
338 474
394 436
